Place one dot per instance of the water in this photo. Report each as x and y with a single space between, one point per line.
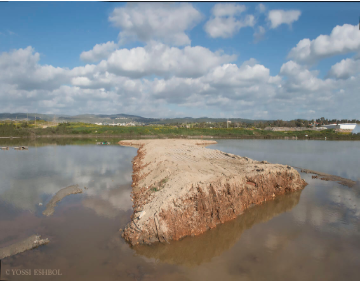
307 235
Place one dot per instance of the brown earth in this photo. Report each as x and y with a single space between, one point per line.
181 188
193 251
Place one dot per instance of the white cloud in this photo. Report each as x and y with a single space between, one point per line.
166 22
248 74
225 86
259 34
300 79
176 90
261 8
191 78
278 17
343 39
99 51
20 67
345 69
160 59
230 9
225 22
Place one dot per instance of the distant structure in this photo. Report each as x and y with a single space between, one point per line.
356 130
227 123
344 127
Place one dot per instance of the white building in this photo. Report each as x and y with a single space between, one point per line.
345 126
356 130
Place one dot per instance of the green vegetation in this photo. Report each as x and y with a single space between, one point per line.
201 122
42 128
161 185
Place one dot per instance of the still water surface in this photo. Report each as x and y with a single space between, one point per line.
308 235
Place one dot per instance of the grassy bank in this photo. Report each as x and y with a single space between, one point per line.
83 130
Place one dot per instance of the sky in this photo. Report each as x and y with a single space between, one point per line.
254 60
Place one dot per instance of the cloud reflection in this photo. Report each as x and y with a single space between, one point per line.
31 177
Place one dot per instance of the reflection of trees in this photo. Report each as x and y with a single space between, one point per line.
196 250
54 141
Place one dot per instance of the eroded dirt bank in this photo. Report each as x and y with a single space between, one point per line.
181 188
193 251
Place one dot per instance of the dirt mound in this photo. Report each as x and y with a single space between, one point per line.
193 251
181 188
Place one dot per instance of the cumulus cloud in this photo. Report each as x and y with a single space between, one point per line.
159 59
223 10
300 79
261 8
146 80
279 17
225 21
343 39
99 51
167 22
249 73
176 90
20 67
198 77
345 69
227 85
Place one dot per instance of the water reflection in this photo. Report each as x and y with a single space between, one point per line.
307 235
197 250
339 158
33 177
110 202
331 208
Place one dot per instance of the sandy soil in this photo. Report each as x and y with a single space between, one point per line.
181 188
30 243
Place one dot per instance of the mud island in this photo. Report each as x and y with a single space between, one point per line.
181 188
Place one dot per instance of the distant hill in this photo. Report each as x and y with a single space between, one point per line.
117 118
23 116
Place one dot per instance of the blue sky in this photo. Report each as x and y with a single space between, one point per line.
57 33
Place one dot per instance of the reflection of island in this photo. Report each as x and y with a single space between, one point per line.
197 250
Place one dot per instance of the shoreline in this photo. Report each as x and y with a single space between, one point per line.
260 137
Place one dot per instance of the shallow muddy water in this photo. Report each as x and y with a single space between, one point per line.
312 234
